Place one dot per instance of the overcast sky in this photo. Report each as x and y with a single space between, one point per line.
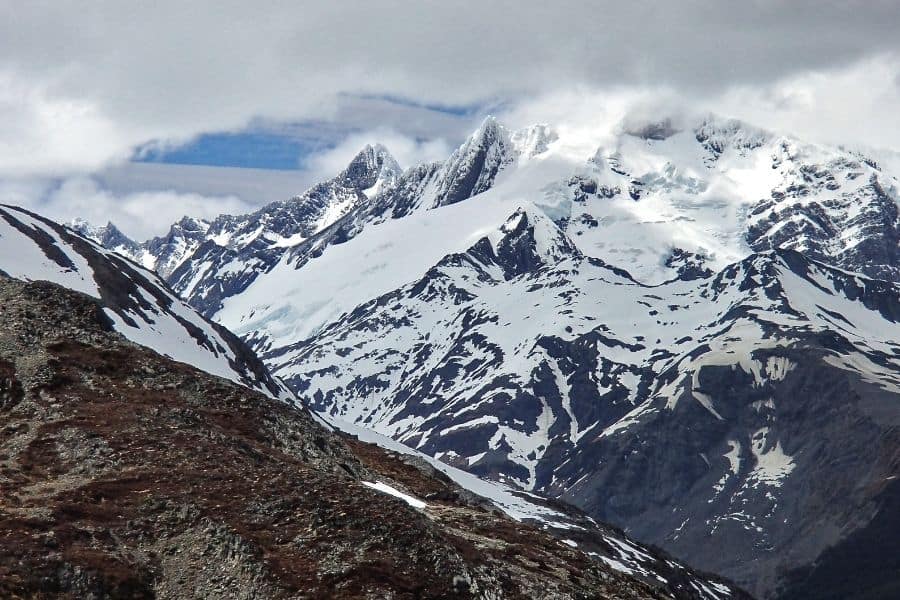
83 84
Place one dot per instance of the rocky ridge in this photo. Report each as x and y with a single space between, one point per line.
126 474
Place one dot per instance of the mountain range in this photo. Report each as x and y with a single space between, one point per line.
686 328
135 464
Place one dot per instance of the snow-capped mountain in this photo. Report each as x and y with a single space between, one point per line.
651 199
697 200
693 419
686 328
135 302
230 239
111 238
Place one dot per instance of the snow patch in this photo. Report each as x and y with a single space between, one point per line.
391 491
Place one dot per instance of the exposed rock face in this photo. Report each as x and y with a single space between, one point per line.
863 566
688 265
657 130
814 212
170 250
472 168
373 166
124 474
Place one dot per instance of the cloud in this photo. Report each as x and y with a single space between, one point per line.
254 187
86 82
144 199
140 215
848 105
39 132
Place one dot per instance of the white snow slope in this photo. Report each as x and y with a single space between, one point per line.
138 303
644 198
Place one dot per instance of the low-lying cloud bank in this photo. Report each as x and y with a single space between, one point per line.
81 86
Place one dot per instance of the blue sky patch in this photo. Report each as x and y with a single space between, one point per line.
259 150
264 144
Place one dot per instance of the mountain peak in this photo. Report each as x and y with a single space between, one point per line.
489 133
490 124
187 221
372 168
526 241
656 129
718 133
550 240
472 167
83 227
531 141
108 236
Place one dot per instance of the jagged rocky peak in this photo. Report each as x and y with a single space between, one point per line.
186 227
191 224
373 167
108 236
527 241
169 251
489 131
472 168
86 229
717 134
532 223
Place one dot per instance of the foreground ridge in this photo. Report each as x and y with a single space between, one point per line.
126 474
